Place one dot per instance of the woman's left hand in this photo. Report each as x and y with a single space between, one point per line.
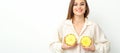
90 48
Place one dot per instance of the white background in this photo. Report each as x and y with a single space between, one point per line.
29 26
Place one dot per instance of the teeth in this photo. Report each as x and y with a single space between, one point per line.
79 10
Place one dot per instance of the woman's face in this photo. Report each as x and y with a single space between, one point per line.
79 7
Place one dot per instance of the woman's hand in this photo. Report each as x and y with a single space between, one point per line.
64 46
90 48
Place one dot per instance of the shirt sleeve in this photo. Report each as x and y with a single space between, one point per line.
56 47
102 45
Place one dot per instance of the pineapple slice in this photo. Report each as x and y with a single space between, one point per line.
86 41
70 40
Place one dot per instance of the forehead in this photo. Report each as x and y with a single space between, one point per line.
79 1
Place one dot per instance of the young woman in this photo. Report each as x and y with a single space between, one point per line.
78 25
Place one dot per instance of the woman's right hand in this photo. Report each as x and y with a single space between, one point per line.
64 46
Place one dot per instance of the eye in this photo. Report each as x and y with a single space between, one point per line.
75 4
81 4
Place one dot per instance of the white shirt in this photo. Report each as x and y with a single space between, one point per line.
90 29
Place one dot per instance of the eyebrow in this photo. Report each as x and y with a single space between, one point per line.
82 2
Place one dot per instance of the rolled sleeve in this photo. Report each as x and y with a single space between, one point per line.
55 47
102 45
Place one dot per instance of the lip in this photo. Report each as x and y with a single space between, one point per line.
79 10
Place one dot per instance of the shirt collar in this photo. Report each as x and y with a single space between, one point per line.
87 22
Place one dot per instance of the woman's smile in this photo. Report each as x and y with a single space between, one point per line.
79 10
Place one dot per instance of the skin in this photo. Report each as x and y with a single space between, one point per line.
78 21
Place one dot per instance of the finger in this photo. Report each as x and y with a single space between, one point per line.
86 49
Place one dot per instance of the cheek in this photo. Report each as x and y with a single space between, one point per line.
83 9
74 9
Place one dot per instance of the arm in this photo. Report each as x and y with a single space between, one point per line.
55 47
102 45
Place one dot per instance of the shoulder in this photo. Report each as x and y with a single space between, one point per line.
92 23
65 23
94 27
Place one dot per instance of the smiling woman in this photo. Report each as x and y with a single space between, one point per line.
89 36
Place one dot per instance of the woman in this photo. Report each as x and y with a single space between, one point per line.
78 25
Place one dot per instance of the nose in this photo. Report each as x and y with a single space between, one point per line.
78 6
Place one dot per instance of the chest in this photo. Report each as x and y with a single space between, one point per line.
78 31
78 28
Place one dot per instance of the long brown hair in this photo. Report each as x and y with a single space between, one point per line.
70 10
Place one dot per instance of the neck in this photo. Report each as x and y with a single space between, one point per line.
78 19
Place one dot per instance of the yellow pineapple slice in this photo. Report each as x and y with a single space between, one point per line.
86 41
70 40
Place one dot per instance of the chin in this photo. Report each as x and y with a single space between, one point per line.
79 14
